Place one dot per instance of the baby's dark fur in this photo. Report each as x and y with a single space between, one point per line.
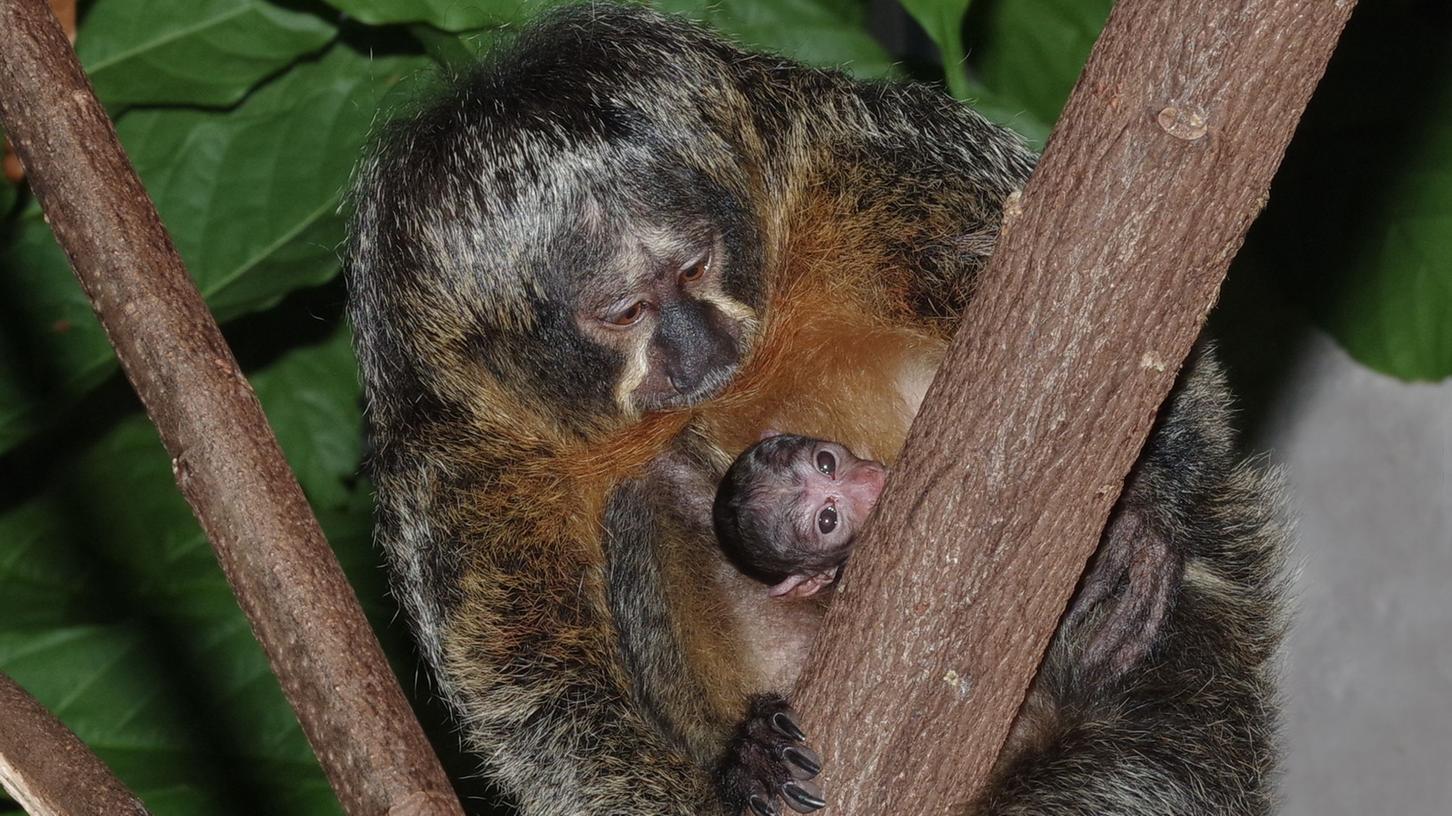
601 656
747 518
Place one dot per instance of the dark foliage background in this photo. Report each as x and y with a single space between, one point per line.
244 119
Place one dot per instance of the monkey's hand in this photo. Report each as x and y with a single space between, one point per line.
768 758
804 585
1126 596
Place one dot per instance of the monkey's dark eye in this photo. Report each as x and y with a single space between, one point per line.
629 315
827 520
827 463
695 270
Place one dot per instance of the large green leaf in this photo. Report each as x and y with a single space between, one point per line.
149 52
818 32
1028 53
116 616
1359 226
251 198
313 402
454 51
449 15
943 20
824 33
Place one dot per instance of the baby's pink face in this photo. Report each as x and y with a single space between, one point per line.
837 494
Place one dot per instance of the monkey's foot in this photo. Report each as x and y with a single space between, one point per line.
769 759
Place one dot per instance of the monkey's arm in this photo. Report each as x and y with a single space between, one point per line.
513 611
569 677
757 753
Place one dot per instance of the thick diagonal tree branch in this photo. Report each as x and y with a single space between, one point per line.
1104 273
227 462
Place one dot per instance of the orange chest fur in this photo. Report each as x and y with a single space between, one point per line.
828 365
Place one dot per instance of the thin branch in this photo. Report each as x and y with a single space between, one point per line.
226 460
48 770
1105 271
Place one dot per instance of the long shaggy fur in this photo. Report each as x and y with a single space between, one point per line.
596 648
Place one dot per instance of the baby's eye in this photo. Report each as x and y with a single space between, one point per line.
827 463
827 520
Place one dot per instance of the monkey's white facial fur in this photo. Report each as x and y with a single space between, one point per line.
680 336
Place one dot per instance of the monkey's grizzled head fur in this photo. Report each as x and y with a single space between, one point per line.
576 240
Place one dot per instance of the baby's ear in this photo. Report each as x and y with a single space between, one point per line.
768 433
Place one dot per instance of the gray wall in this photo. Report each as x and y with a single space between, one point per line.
1369 662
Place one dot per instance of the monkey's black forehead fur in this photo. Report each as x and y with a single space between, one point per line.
560 89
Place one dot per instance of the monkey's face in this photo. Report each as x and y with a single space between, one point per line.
796 503
586 272
835 491
665 312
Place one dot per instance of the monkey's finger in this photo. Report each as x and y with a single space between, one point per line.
803 796
802 762
785 723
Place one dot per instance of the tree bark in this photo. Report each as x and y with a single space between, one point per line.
48 770
226 460
1106 267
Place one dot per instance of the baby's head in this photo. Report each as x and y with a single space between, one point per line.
789 508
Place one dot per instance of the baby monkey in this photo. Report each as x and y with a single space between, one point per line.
789 508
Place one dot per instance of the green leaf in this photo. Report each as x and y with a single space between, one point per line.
824 33
1359 226
943 21
116 616
1028 53
450 50
818 32
314 403
1033 130
449 15
199 52
251 197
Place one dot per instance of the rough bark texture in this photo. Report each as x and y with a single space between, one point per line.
65 14
1106 268
224 455
48 770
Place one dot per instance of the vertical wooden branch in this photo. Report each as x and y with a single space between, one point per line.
45 768
1106 268
226 460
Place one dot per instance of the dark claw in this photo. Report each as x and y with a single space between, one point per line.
803 762
763 807
786 725
803 797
